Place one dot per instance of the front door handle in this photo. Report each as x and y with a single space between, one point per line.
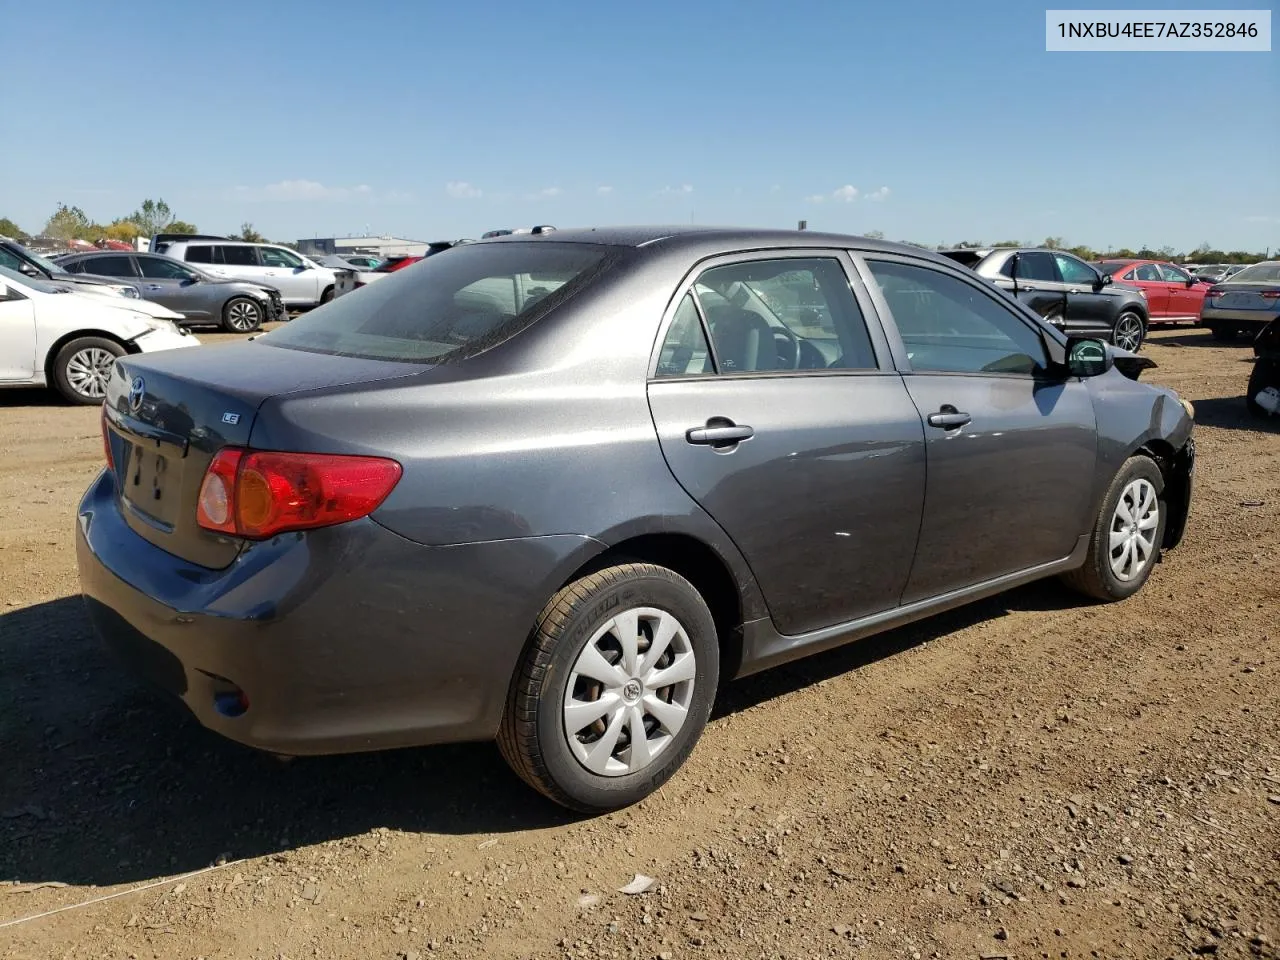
949 418
719 432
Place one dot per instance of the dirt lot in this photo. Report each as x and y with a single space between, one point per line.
1028 777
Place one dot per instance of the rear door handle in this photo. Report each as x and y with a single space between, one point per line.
949 418
719 435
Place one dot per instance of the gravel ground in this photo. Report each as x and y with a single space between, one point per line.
1027 777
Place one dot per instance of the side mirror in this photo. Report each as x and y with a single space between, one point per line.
1191 281
1106 281
1087 357
29 270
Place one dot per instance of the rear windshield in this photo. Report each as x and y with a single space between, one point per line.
1268 272
449 307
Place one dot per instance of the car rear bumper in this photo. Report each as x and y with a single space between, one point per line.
1257 318
345 639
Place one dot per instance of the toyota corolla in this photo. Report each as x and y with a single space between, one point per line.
553 489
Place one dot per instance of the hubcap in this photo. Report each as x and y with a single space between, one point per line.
243 316
1133 530
1128 332
88 371
629 692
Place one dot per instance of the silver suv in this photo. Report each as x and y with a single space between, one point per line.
301 282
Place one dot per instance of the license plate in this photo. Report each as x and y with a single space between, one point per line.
151 483
1239 300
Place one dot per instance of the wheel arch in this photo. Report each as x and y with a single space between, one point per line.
51 355
699 563
1175 468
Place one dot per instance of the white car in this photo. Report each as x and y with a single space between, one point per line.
301 281
53 336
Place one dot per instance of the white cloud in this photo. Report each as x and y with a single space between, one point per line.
846 194
604 191
550 192
669 191
309 190
880 194
461 190
815 198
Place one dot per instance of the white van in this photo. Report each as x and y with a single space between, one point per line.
302 282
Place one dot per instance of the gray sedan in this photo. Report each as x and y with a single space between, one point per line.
1246 302
202 298
552 490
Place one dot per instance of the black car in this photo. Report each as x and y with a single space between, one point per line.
1066 291
14 256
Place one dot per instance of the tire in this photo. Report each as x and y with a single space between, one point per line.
81 368
1266 373
242 315
534 738
1222 331
1129 328
326 296
1098 577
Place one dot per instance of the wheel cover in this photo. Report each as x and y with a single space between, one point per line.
88 371
243 316
1128 332
1133 530
629 692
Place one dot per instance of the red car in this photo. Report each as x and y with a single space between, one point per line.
397 261
1173 295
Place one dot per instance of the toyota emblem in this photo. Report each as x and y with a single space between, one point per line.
136 389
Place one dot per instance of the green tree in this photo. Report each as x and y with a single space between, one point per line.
1052 243
125 230
249 234
874 234
69 223
10 229
181 226
154 216
1083 252
1008 243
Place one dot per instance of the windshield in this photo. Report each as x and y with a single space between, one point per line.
32 283
1268 272
449 308
1112 266
44 263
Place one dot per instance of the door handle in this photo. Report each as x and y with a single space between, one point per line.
1022 287
719 434
1073 290
949 418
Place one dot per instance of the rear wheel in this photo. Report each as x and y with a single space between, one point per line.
1125 543
241 315
614 689
327 295
82 368
1129 331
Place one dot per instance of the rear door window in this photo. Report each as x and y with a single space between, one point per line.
238 256
200 254
107 266
1035 265
450 308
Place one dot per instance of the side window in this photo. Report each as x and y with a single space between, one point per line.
1034 265
1172 274
1075 271
948 325
239 256
1147 271
786 314
685 351
107 266
199 255
158 268
1131 275
275 257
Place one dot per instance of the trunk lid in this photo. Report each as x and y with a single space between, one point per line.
167 414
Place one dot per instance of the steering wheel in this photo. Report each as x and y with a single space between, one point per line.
786 333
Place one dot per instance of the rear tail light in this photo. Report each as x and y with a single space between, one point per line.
259 493
1271 294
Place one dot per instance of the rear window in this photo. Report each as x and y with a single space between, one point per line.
450 308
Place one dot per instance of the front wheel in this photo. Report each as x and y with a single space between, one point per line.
614 689
1127 535
1129 331
241 315
326 296
82 368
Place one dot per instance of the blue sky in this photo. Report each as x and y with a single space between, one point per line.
933 122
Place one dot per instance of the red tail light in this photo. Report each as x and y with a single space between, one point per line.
259 493
1270 294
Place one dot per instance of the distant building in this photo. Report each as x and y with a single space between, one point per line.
374 246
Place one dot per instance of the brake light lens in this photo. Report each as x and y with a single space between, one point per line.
1271 294
257 494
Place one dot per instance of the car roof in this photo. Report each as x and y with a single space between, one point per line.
706 240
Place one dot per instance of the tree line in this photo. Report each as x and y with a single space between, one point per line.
152 217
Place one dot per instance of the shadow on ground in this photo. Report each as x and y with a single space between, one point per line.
105 783
1231 413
